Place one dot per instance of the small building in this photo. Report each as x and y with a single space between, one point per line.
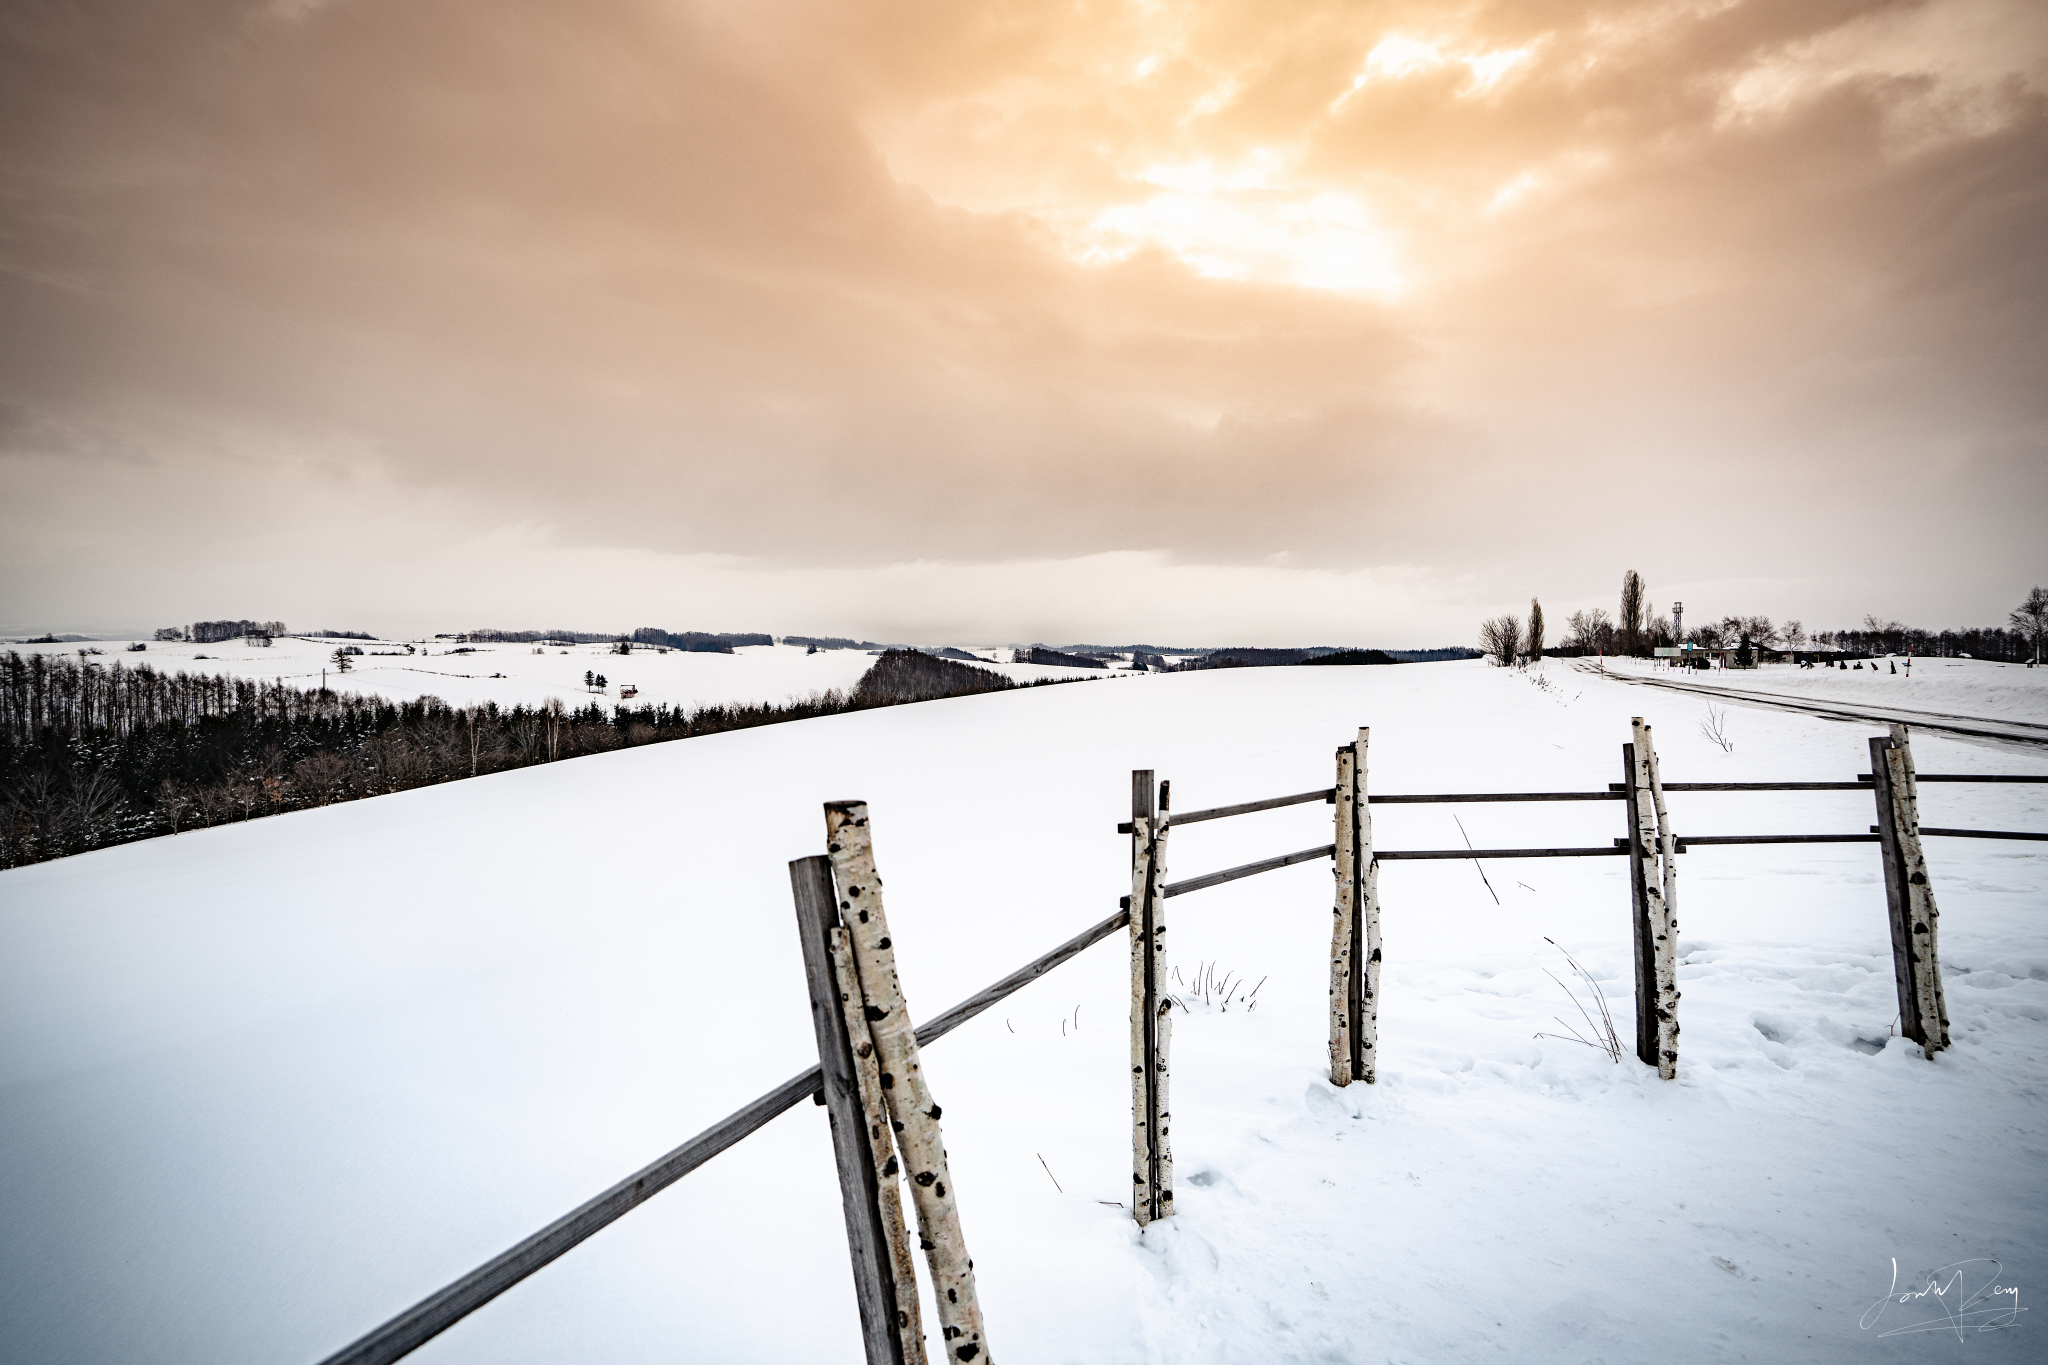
628 691
1699 656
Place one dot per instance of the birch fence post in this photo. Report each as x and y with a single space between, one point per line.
1142 810
1343 932
1909 896
1642 939
867 1239
1919 892
1656 989
1151 1018
1659 893
881 1145
915 1115
1365 973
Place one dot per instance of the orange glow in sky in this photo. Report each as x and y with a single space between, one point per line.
1443 298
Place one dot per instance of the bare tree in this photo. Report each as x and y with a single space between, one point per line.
1501 640
1629 621
1795 635
1590 631
2031 621
1534 644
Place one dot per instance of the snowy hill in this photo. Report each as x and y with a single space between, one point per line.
508 674
262 1086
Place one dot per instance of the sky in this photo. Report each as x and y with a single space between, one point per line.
1208 323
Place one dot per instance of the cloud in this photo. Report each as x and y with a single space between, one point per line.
1502 290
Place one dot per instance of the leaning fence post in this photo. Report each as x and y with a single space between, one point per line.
1657 862
867 1239
1909 896
1151 1020
1365 973
1344 932
914 1114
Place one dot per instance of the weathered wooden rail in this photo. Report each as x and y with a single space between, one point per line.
1355 957
1651 844
436 1313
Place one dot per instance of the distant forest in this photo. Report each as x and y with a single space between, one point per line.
213 632
93 755
692 641
1638 629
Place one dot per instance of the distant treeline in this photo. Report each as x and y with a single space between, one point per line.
1979 642
93 755
828 642
691 641
1354 657
213 632
1318 654
1053 658
1639 629
1426 656
489 636
697 641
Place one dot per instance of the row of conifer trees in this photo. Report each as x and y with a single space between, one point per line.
93 755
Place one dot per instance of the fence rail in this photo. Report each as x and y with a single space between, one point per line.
439 1311
1980 834
1392 855
1687 840
449 1305
1306 855
1195 817
1866 779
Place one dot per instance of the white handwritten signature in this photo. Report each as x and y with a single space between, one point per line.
1947 1303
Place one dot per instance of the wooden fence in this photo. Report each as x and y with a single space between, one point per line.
885 1124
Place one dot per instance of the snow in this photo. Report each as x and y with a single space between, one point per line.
510 674
1968 687
267 1084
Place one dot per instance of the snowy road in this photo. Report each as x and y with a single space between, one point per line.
1975 727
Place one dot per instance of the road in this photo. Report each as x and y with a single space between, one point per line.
1974 727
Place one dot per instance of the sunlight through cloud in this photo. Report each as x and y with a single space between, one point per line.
1319 240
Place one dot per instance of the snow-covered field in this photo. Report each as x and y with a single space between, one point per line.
263 1085
1964 687
509 674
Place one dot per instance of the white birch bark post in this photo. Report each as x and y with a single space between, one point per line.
882 1145
1366 1047
1664 937
1141 1013
1142 811
850 843
1667 839
867 1239
1642 937
1341 999
1921 914
1151 1026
